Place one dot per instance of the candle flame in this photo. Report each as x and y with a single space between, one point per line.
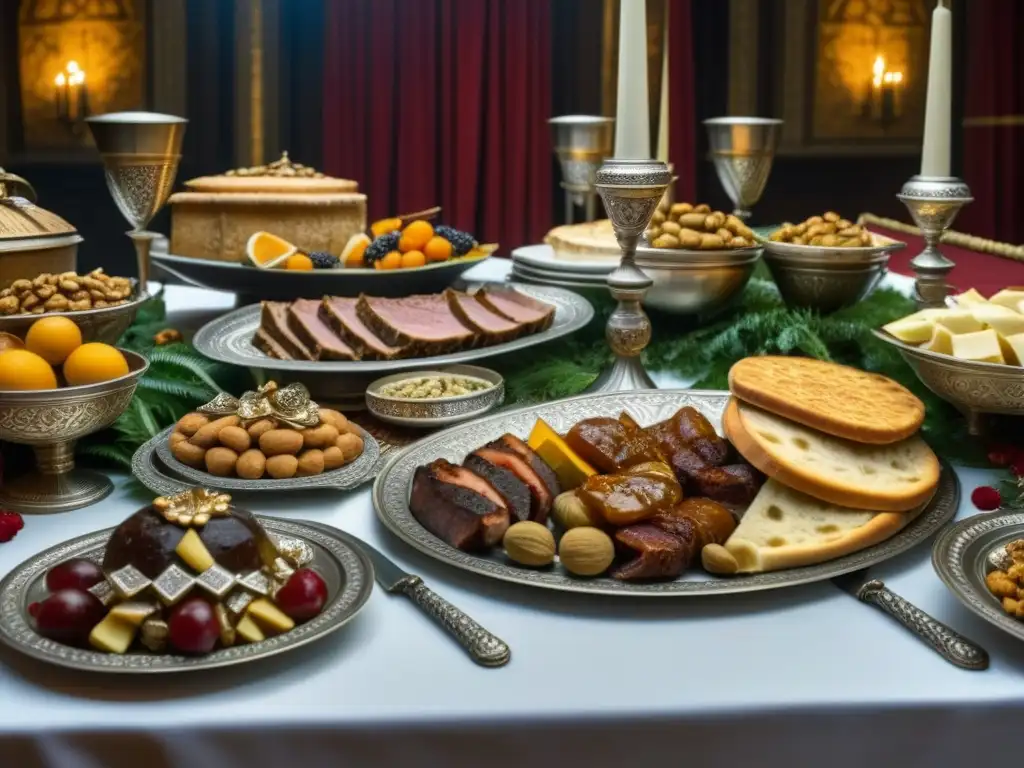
77 78
60 80
72 67
878 71
897 77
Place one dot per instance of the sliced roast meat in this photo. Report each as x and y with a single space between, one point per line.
514 492
274 320
490 328
535 315
340 313
458 506
658 553
537 464
306 321
265 344
541 497
424 324
735 484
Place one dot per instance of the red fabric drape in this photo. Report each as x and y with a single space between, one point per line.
994 154
443 102
682 103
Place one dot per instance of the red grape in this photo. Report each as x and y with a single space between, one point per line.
74 574
69 615
303 596
193 627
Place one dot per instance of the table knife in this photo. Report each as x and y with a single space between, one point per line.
951 645
484 648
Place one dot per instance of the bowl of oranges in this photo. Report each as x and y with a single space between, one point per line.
55 389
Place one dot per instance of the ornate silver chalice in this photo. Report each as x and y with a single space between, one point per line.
140 152
631 191
933 202
582 142
742 149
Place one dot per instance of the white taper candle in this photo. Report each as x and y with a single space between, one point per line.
663 109
938 108
632 118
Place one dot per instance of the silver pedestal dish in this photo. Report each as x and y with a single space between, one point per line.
106 324
582 142
933 202
696 283
742 150
631 191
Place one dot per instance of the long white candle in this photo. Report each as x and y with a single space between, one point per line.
938 108
663 109
632 119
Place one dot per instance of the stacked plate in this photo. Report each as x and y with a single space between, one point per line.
536 264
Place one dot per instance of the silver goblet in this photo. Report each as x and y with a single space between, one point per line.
742 149
140 152
582 142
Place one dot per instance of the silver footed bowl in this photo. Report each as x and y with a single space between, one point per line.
825 287
51 421
821 254
107 324
971 387
702 283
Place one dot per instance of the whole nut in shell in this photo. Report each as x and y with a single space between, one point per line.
586 551
529 543
569 511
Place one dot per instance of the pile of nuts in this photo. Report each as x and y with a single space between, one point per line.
67 292
226 448
697 228
830 230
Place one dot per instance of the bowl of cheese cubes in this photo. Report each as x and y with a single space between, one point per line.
970 353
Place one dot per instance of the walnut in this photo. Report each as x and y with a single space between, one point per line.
41 280
29 301
45 292
57 303
1001 585
37 310
167 336
69 286
81 296
52 279
20 286
97 294
8 305
5 293
78 306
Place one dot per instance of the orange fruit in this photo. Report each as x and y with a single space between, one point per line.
267 250
384 226
355 248
22 370
438 249
53 338
416 235
413 259
94 362
298 261
393 260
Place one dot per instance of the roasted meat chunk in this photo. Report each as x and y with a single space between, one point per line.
610 445
736 484
458 506
689 428
514 492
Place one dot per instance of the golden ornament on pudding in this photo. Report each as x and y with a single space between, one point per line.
23 370
53 338
94 363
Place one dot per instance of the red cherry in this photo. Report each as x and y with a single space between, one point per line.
303 596
33 609
74 574
69 615
986 498
193 627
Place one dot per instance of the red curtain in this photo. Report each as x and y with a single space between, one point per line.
994 129
443 102
682 109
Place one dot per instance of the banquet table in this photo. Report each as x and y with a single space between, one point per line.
804 676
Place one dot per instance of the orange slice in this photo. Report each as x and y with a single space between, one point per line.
572 471
267 251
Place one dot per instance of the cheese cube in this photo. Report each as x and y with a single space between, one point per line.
941 341
1007 325
1009 297
1013 348
113 635
910 331
958 320
980 347
970 297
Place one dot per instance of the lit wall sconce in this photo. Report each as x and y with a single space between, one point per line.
885 97
72 96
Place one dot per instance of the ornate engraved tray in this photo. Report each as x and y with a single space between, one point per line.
228 339
343 478
960 557
391 494
347 571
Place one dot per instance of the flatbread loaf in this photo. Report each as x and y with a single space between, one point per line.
784 528
882 478
834 399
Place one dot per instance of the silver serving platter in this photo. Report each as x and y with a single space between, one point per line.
347 571
343 478
960 558
542 257
392 486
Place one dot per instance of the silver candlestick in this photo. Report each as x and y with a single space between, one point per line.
631 191
933 202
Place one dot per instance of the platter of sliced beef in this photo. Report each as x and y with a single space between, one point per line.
368 334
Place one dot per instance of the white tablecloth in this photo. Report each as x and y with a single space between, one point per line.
799 677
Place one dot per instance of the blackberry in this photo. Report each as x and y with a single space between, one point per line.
379 248
462 242
324 260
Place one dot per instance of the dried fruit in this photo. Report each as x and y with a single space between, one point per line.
412 259
586 551
986 498
529 543
385 226
438 249
298 262
352 255
462 242
393 260
415 236
380 247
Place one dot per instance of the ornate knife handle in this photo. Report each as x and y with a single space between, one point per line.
484 648
951 645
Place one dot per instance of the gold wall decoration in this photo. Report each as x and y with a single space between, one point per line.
857 42
107 40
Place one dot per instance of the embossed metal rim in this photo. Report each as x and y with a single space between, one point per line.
391 490
343 478
1000 370
958 557
51 398
824 253
139 297
228 339
17 633
145 469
